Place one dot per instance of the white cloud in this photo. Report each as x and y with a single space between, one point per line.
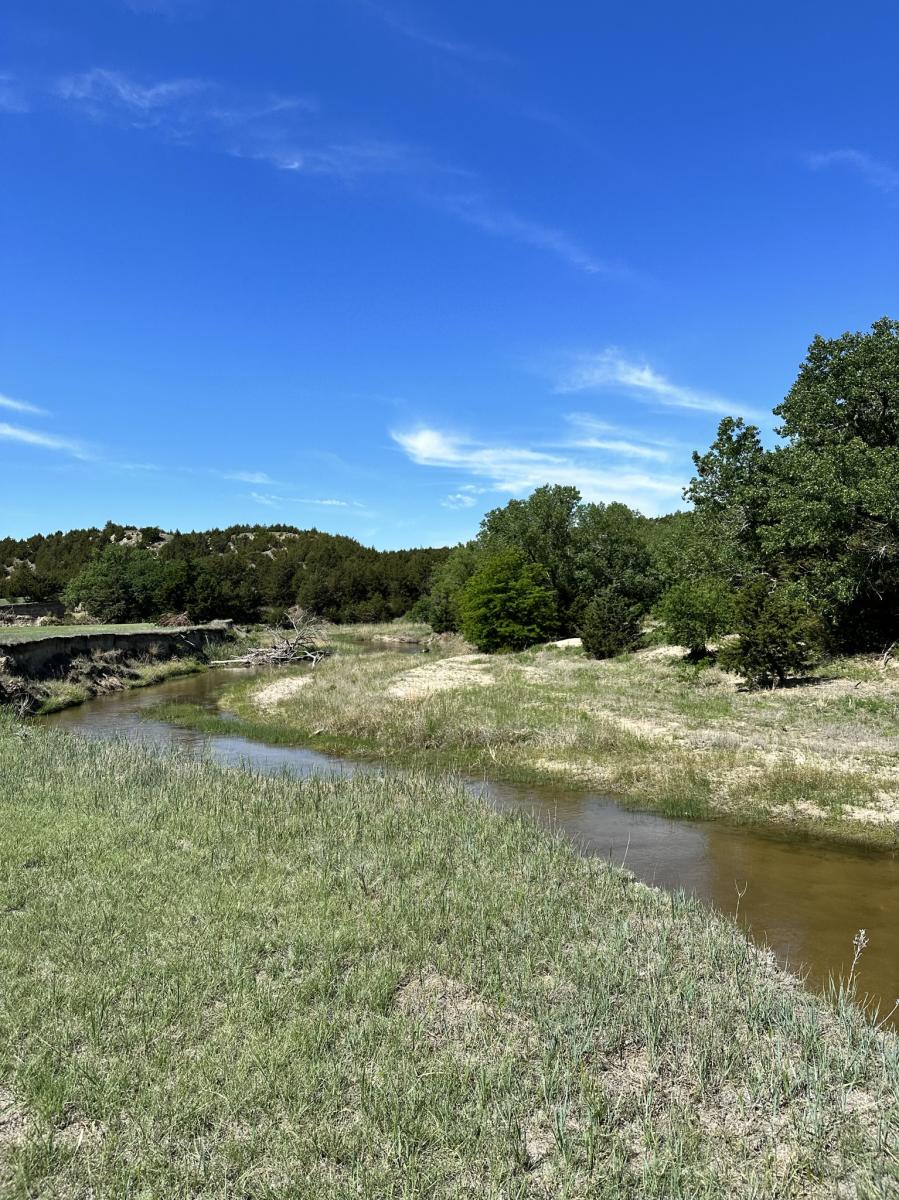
609 369
498 222
594 434
873 171
248 476
463 499
345 160
21 407
12 95
276 130
435 41
47 441
517 470
101 91
274 501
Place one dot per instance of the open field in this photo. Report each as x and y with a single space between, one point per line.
27 633
647 728
220 984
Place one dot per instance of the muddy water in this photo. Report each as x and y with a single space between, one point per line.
805 899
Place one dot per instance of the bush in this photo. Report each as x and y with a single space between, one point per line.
610 625
778 634
695 611
507 604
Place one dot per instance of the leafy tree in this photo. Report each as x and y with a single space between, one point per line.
541 528
821 510
610 550
834 512
730 493
122 584
610 625
507 604
777 634
442 609
695 611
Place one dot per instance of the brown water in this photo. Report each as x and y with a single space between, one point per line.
803 898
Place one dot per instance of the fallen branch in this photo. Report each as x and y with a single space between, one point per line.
301 640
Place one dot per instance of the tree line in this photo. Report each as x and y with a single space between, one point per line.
246 572
785 552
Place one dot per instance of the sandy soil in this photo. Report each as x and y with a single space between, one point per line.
470 670
276 693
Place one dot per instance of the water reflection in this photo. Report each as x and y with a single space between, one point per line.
804 898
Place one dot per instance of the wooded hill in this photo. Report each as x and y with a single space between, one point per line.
125 573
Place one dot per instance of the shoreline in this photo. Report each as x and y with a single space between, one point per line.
375 707
405 964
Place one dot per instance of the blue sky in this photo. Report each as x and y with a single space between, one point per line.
379 265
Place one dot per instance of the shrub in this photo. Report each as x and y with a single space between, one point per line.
507 604
695 611
777 634
610 625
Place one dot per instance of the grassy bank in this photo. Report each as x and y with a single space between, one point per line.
222 985
11 634
53 695
647 728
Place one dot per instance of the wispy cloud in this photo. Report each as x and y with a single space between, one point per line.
106 93
416 32
247 476
516 470
276 501
165 8
458 500
12 95
610 370
874 171
47 441
346 160
21 407
476 210
591 433
289 134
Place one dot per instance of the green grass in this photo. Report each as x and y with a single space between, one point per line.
645 728
30 633
57 694
223 985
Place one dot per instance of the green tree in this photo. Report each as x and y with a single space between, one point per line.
777 634
695 611
611 551
447 582
610 624
122 583
730 494
507 604
541 528
834 512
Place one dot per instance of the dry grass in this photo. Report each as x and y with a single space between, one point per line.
646 727
218 984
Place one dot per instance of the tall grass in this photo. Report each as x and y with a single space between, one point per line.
642 727
219 984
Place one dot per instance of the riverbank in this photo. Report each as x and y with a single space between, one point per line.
374 986
646 728
55 668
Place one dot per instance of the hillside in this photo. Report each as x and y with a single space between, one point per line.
234 572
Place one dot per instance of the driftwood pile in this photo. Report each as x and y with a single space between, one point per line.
300 638
174 621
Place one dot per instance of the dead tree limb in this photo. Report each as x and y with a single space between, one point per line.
300 638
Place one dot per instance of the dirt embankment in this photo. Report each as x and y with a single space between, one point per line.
62 670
